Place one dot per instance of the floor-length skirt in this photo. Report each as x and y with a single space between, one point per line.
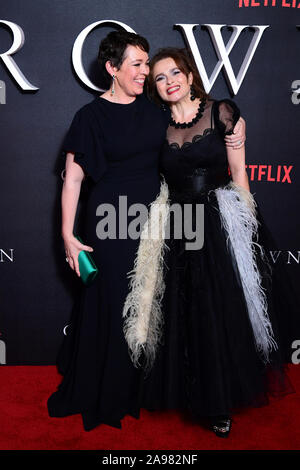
208 363
99 380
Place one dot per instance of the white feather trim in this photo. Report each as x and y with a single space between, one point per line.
142 309
238 217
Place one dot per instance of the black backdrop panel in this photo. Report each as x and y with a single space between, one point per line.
37 287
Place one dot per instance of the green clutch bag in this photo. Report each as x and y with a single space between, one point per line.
87 267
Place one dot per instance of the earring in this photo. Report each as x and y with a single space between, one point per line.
113 86
192 91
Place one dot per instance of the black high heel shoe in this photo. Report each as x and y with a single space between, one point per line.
221 425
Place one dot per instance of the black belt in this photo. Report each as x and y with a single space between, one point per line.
200 181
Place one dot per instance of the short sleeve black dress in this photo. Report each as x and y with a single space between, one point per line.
117 146
209 362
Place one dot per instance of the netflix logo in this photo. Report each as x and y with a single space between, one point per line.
269 3
273 173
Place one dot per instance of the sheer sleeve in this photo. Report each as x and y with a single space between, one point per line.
226 115
85 141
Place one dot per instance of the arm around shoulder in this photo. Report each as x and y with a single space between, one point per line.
237 164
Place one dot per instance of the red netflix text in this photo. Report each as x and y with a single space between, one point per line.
275 174
278 174
270 3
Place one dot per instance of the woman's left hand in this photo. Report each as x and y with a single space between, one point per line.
238 138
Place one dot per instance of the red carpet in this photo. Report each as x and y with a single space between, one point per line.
25 423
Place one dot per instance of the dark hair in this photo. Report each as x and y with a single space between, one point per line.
113 46
185 63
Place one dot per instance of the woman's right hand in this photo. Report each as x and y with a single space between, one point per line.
72 249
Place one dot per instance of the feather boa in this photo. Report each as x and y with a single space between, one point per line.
238 217
142 309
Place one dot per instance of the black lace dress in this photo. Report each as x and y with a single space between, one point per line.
209 361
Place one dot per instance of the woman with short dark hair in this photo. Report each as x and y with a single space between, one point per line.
114 142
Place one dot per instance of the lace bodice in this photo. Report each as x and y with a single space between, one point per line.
200 147
182 138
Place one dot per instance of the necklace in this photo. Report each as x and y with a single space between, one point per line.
184 125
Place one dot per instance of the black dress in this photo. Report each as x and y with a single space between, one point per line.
118 146
208 362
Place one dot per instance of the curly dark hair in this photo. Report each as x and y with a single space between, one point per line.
112 48
185 63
